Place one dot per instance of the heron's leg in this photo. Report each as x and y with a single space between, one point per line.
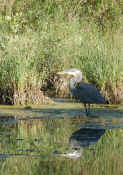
86 109
89 107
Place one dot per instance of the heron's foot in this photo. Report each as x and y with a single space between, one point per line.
91 115
87 113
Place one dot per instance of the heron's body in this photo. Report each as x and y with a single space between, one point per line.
84 92
87 93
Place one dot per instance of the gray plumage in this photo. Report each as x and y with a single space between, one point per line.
84 92
87 93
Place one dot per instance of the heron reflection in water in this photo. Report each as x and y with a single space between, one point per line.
81 139
84 92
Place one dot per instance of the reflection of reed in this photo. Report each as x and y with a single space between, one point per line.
35 141
44 127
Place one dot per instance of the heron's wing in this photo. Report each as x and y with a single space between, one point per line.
88 93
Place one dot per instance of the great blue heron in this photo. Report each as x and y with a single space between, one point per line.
84 92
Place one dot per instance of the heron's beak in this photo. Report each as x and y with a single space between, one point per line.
61 73
65 74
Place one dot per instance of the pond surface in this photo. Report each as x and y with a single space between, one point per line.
60 139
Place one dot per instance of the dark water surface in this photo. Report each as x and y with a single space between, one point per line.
60 139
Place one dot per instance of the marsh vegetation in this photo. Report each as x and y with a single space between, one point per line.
37 39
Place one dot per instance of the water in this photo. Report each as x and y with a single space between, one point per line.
60 139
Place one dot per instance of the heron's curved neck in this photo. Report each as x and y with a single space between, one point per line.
75 80
72 83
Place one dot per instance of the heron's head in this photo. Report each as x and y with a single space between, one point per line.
72 73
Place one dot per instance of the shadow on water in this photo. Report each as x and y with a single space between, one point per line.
60 139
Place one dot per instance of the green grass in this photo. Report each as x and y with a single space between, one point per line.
34 45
